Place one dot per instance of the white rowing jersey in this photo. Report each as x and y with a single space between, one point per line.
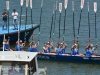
15 15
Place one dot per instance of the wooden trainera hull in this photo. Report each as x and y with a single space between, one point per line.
78 59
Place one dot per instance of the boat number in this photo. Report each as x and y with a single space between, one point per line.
43 57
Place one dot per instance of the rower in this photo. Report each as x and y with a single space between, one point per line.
92 49
50 46
20 45
90 52
17 48
63 48
57 49
6 47
30 47
34 46
45 48
75 51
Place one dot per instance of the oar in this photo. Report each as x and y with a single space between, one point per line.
54 21
60 10
82 4
40 20
31 17
31 13
51 25
7 6
73 22
95 10
88 22
65 5
18 33
26 18
21 4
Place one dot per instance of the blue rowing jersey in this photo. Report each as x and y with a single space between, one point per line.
17 48
35 50
6 47
75 52
88 54
72 52
92 52
63 51
45 51
30 49
58 51
49 49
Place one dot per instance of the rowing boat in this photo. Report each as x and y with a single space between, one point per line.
64 58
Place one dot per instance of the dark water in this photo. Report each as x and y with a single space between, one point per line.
63 68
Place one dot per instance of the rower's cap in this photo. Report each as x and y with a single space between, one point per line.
20 40
75 44
61 43
92 45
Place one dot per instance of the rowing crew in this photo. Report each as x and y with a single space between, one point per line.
58 50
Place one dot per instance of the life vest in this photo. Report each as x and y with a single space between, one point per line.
6 47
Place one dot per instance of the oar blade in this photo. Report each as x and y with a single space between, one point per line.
7 5
27 1
21 2
82 3
65 3
60 7
41 3
88 6
31 4
95 6
73 5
